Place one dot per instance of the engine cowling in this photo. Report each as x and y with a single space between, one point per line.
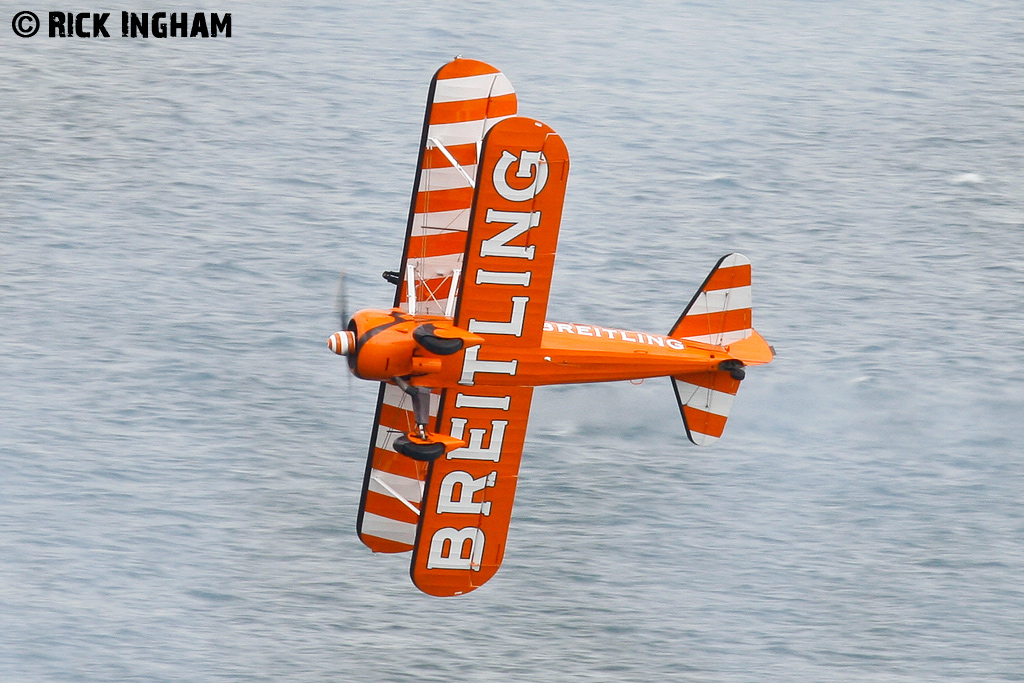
381 345
377 344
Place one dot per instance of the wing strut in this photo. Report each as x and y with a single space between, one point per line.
451 159
449 307
410 279
402 499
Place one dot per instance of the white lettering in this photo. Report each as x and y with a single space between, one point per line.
513 327
475 450
520 221
624 335
494 402
448 545
490 277
528 161
457 491
471 366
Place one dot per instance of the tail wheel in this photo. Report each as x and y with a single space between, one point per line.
734 368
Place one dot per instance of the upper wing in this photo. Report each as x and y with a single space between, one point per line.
510 254
468 502
511 250
466 98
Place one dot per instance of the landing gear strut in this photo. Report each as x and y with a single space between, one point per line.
418 444
420 404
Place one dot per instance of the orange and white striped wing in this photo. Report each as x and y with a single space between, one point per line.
470 491
393 484
720 312
510 255
466 99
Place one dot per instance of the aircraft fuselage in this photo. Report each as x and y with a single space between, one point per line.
385 347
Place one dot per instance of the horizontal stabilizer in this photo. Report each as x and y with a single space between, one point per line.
752 350
705 400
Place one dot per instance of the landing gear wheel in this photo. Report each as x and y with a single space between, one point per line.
424 334
424 452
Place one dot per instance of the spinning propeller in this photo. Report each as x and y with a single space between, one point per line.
342 343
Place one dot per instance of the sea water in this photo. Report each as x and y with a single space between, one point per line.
181 456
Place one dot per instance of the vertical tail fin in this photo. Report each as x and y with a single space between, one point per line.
719 314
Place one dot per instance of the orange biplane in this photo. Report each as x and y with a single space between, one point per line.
459 353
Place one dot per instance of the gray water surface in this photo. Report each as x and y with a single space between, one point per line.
181 457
